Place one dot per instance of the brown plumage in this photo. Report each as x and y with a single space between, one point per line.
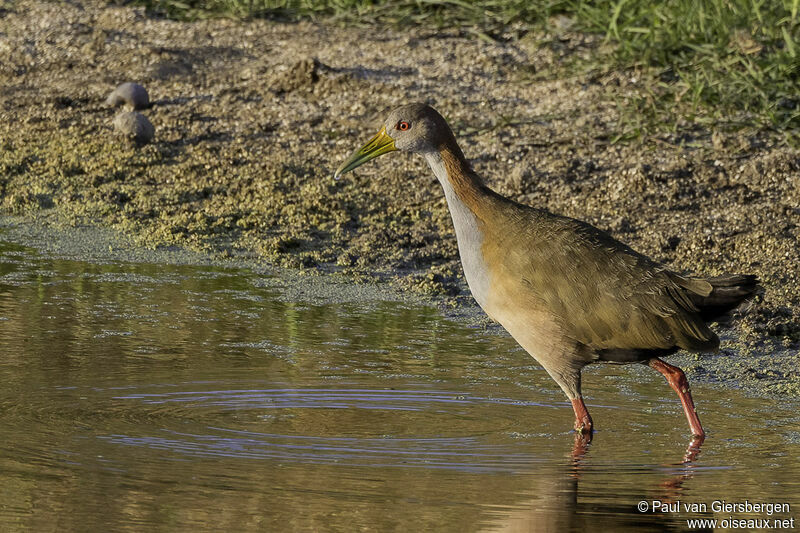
569 293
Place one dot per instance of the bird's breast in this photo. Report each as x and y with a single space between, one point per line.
476 270
470 236
470 231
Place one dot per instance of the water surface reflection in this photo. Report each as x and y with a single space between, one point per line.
156 397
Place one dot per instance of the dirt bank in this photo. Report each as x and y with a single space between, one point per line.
252 117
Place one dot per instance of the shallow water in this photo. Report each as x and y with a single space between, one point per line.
150 397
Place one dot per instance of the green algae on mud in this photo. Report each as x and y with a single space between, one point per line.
252 117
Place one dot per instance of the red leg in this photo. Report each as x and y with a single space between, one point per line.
583 422
693 450
677 380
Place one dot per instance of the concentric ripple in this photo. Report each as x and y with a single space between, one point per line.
467 453
282 398
377 442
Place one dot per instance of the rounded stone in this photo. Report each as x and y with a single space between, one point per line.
129 94
134 126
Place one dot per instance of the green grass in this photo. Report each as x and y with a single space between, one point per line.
738 58
735 62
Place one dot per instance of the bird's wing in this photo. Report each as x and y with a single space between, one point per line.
605 295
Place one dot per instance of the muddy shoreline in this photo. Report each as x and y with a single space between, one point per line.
252 117
761 373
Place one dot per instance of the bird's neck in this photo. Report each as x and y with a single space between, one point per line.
461 184
469 203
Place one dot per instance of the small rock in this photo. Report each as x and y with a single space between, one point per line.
134 126
302 74
129 94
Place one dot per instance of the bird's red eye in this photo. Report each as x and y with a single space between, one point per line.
403 125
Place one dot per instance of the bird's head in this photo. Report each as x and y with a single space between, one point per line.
417 128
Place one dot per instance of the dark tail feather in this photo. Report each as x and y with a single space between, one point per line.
728 293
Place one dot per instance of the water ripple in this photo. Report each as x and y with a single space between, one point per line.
283 398
463 453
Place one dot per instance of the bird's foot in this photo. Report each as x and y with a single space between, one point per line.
584 426
583 421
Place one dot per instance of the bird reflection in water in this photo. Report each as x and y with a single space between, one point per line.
559 503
